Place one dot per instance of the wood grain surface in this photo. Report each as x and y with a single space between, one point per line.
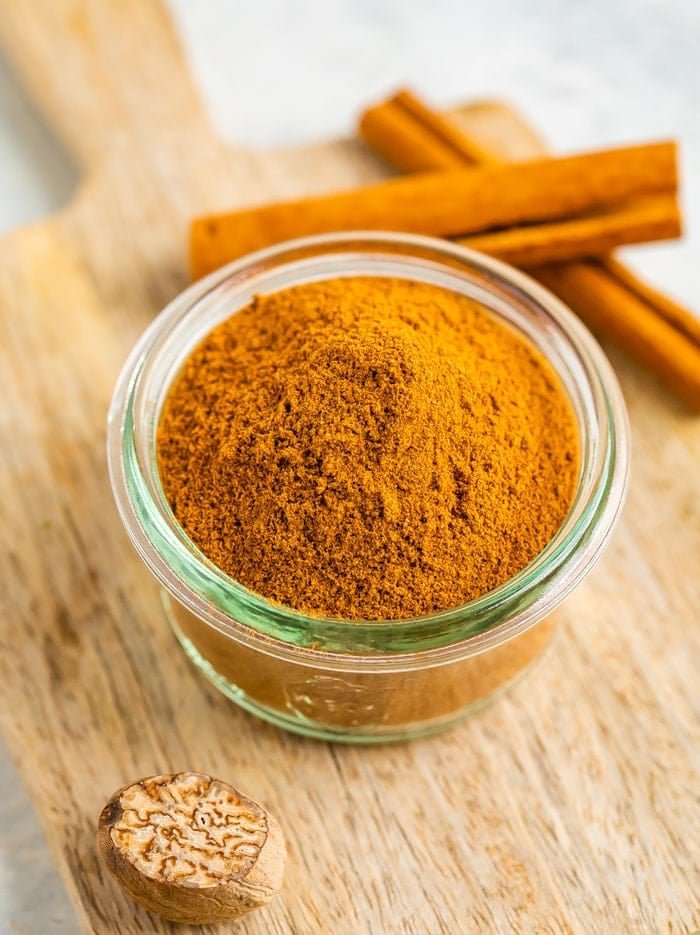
569 806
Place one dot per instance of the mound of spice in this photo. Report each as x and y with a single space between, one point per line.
368 448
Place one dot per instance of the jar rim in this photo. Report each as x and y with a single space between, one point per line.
248 617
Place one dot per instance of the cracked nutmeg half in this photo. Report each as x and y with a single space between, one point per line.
191 848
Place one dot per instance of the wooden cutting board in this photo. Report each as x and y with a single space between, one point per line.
567 806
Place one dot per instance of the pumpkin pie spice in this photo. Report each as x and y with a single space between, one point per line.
368 448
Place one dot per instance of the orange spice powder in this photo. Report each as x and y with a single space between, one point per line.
368 448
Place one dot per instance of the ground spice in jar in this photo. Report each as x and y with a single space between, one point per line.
368 448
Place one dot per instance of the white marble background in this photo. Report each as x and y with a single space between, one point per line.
274 72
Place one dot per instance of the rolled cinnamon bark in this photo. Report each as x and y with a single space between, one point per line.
462 202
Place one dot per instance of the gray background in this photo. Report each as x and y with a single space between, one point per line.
274 72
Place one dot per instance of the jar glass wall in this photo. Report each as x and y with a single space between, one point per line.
365 680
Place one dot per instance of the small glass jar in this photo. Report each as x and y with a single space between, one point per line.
355 680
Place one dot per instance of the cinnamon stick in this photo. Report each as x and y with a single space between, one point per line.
614 301
415 138
461 202
640 221
681 318
635 326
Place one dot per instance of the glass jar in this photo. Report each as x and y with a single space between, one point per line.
355 680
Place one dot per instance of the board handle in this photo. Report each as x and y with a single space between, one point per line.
101 69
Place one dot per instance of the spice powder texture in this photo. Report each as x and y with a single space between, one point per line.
368 448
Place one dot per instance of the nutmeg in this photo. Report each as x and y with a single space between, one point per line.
191 848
